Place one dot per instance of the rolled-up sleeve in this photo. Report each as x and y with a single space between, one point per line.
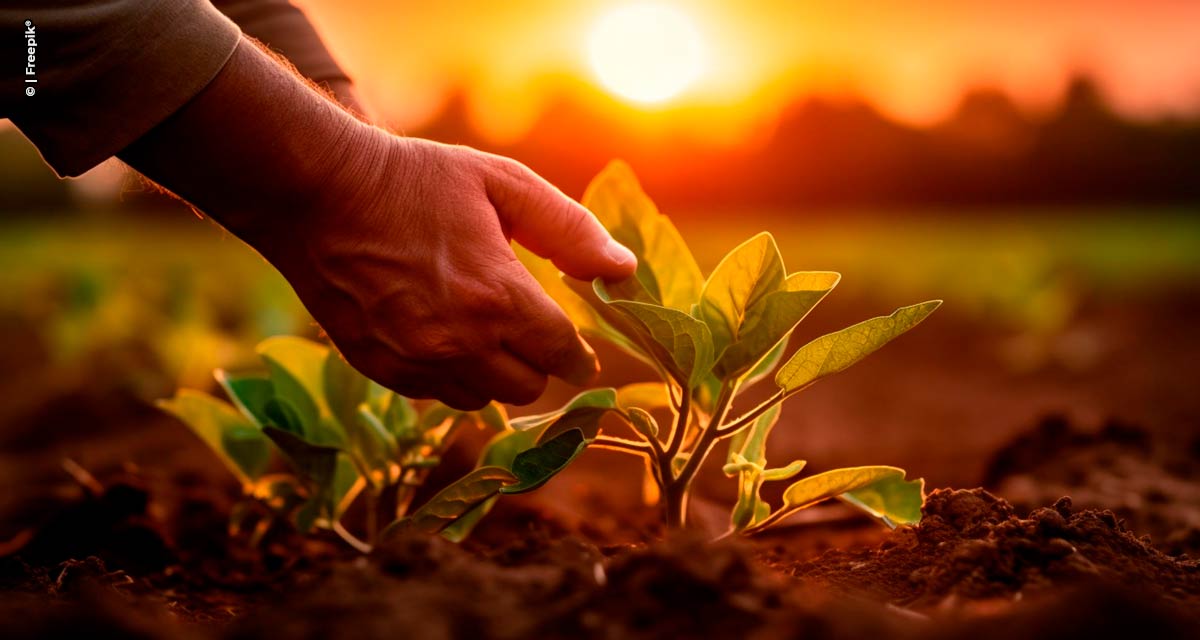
90 77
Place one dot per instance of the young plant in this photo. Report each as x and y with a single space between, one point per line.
340 435
709 340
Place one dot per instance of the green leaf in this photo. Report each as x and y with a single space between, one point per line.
347 393
344 389
751 442
347 482
892 500
784 473
748 500
249 393
837 351
831 484
765 366
379 397
296 366
582 414
316 464
772 318
455 501
643 422
750 305
400 418
494 417
666 267
534 467
236 440
644 395
436 415
679 343
280 413
628 338
741 280
603 398
378 447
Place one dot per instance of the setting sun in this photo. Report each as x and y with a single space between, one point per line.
646 53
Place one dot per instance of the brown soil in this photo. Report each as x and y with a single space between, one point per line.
144 550
971 557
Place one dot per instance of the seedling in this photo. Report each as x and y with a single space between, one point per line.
709 340
340 435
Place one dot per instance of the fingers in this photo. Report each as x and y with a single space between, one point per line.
554 226
464 383
544 337
504 377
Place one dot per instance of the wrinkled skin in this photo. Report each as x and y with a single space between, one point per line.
399 247
410 271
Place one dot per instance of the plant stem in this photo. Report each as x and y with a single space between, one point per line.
372 515
675 493
358 545
682 416
621 444
741 422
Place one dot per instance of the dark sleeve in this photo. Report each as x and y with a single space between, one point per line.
101 73
284 29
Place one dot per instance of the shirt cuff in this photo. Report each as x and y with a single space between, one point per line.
154 59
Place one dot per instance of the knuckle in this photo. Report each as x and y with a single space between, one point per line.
435 342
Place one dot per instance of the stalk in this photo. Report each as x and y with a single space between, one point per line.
675 493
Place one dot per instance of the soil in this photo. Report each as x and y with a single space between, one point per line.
1084 526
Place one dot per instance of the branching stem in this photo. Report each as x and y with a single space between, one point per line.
622 444
679 431
743 421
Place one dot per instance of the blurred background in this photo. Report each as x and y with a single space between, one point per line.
1035 164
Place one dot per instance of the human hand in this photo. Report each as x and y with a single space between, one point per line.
404 260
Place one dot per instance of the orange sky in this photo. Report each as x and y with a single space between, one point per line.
911 57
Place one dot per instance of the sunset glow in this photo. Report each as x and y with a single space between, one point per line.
913 61
646 53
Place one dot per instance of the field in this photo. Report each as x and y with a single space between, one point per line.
1063 363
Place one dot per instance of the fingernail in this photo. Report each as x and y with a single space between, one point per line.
618 253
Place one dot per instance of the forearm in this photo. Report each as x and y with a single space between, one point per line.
285 29
254 149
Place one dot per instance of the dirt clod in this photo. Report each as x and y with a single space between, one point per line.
971 545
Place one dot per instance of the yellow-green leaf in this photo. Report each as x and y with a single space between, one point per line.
303 362
784 473
751 442
679 343
830 484
837 351
892 500
644 395
772 318
249 393
603 398
343 388
317 464
297 368
643 422
665 265
743 277
237 441
455 501
534 467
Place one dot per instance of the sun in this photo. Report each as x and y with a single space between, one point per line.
646 53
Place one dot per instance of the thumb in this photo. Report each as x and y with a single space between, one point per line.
554 226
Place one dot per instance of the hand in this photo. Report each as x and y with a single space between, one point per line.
405 262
